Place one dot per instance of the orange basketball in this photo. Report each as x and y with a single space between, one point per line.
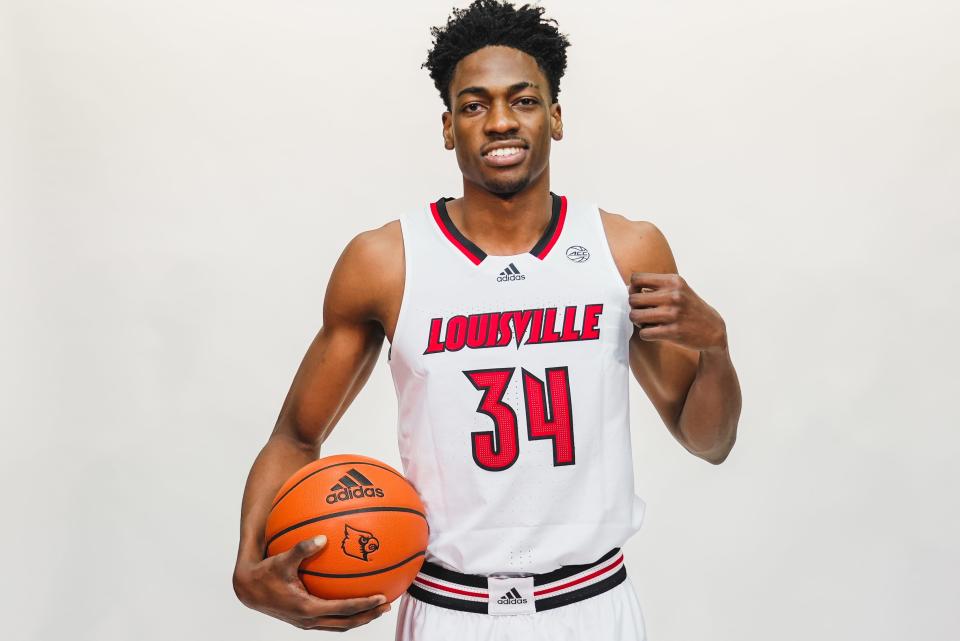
373 519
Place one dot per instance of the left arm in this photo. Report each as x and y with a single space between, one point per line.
678 351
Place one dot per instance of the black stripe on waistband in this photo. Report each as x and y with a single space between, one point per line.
550 602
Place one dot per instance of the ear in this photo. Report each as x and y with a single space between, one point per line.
448 140
556 122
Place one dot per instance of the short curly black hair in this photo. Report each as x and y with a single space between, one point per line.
488 22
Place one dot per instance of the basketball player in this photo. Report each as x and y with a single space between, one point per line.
514 315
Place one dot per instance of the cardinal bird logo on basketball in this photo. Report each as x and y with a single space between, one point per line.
358 544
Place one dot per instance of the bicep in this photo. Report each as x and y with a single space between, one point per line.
340 358
335 367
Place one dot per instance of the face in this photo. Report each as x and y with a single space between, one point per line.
499 95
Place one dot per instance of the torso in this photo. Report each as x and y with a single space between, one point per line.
512 373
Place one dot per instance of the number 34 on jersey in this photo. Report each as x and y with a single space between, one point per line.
498 449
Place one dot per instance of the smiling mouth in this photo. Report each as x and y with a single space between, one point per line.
505 157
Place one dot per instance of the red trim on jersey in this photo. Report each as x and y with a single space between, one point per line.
476 260
556 232
476 255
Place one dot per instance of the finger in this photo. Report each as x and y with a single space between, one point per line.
646 289
347 622
293 557
653 316
649 299
315 607
651 279
657 332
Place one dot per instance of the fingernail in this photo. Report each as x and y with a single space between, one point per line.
320 540
381 600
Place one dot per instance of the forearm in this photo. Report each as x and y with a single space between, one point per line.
278 460
711 410
331 374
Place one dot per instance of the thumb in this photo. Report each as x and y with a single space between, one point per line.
295 555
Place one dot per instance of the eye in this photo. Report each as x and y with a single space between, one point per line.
533 101
471 104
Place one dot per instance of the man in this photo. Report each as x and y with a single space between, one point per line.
514 315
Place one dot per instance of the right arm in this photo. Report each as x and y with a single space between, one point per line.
334 369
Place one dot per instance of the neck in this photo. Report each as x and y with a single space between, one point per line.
502 226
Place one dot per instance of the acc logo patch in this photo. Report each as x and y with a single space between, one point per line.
578 253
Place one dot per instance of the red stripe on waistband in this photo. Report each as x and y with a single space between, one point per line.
580 580
481 595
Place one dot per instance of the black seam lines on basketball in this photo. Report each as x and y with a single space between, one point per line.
277 502
361 574
334 515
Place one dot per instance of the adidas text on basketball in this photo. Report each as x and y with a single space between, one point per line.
353 485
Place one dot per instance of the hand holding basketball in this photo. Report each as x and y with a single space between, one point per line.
273 586
372 516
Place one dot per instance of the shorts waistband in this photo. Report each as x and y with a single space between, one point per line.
472 593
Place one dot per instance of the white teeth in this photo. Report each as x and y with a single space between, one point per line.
506 151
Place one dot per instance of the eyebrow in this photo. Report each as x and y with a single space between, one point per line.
515 87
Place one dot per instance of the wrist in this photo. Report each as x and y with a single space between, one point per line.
719 343
720 349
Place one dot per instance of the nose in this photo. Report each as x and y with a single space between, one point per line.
500 118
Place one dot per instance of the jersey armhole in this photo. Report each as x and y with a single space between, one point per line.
404 303
607 251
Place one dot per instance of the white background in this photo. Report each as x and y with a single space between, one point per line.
177 179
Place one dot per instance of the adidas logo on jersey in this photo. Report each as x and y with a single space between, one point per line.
509 274
353 485
511 598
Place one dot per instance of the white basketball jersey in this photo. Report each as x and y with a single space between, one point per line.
512 378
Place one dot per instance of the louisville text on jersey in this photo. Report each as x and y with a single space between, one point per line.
499 329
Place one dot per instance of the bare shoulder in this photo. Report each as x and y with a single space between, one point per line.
637 245
369 274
